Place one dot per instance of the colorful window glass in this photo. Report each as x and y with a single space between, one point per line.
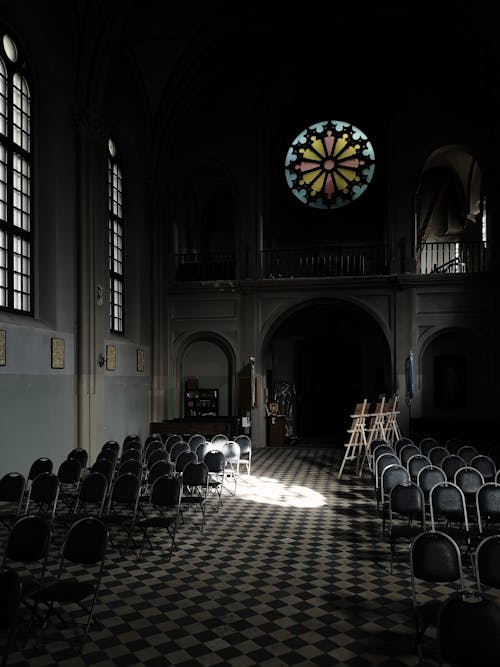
16 228
329 164
115 243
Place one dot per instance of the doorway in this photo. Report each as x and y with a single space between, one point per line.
328 380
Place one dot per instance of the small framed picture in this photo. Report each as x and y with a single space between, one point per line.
140 361
111 357
57 353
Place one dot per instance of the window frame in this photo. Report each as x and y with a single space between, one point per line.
116 242
18 184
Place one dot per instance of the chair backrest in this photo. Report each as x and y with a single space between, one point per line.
107 454
426 444
131 454
392 474
166 491
195 440
92 491
215 460
195 474
245 443
407 452
28 540
44 492
469 480
450 464
435 558
112 444
415 465
178 448
160 469
42 464
81 455
407 499
12 487
488 505
70 471
231 451
494 453
105 467
437 454
153 446
131 465
486 562
468 631
183 459
131 437
125 489
171 440
155 456
382 448
219 439
86 541
485 465
429 477
381 462
468 452
203 448
447 501
402 442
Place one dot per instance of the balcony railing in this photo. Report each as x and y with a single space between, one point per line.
329 261
194 266
324 262
452 257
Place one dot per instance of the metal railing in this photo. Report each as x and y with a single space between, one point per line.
194 266
452 257
324 261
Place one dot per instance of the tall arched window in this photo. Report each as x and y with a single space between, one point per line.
16 229
115 209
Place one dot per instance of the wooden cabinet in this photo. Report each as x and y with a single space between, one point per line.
201 403
275 430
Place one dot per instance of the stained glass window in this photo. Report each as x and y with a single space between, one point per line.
329 164
16 229
115 241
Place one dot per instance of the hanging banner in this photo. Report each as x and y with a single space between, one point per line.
409 378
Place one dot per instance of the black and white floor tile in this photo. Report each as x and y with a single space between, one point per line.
291 571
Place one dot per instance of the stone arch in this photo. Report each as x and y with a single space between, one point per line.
336 352
454 374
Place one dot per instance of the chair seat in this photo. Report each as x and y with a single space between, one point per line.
65 590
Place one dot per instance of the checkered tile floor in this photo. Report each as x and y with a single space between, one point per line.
291 571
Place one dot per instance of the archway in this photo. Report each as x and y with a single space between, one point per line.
206 362
333 355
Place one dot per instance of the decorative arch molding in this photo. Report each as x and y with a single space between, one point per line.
432 333
279 316
216 339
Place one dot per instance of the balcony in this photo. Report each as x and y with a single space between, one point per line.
330 261
207 266
326 261
452 257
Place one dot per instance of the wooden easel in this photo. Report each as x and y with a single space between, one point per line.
392 431
374 431
356 446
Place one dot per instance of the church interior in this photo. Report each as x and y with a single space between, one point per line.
249 219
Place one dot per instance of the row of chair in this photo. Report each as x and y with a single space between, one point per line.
444 523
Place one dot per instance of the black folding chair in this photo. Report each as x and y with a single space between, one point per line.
434 559
85 545
162 511
12 488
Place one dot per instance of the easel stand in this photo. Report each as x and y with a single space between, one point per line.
356 446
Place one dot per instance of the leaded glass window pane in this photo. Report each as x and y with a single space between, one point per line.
329 164
16 233
115 241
